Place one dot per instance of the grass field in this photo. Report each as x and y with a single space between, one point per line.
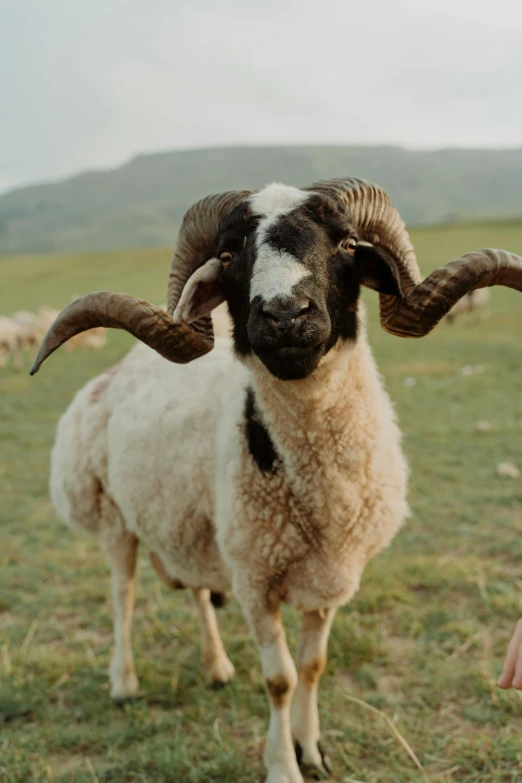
422 642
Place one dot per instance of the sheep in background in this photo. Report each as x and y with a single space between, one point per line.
30 329
10 342
276 468
24 330
47 316
92 338
475 300
221 321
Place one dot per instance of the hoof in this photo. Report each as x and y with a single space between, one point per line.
218 685
219 673
124 683
121 701
278 775
310 770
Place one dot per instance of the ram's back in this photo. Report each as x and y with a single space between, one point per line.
142 434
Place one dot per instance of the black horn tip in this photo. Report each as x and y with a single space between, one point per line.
36 365
38 361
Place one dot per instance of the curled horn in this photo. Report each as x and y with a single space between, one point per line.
179 343
424 302
419 312
148 323
196 239
379 223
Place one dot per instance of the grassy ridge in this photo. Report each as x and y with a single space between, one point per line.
422 641
141 203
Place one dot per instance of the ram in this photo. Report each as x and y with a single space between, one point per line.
272 465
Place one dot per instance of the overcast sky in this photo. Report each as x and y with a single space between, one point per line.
90 83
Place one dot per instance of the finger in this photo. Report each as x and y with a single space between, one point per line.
512 656
517 679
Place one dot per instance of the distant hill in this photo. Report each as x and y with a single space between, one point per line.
142 203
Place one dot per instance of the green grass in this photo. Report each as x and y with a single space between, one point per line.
423 640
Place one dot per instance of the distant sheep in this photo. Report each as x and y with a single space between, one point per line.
10 342
23 331
47 316
221 321
473 300
30 330
92 338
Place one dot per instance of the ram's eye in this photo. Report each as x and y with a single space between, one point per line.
349 244
225 257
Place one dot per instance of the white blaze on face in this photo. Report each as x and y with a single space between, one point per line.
275 272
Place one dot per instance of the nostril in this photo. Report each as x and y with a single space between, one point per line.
301 307
273 313
286 312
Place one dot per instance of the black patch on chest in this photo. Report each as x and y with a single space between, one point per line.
259 441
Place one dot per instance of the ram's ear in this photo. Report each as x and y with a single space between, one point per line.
377 272
201 294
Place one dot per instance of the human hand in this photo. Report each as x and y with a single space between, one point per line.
512 670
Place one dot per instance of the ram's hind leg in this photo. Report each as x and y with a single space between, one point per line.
311 661
218 669
121 550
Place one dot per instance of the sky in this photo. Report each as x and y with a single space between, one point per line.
91 84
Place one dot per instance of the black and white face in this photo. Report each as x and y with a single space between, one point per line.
289 266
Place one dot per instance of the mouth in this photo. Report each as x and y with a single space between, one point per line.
294 350
292 362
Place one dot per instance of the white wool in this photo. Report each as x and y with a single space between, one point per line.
276 199
275 274
157 453
167 443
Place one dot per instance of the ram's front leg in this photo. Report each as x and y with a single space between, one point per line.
311 661
280 677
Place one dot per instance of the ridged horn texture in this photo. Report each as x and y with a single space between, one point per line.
147 322
423 308
378 222
424 303
196 239
178 343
